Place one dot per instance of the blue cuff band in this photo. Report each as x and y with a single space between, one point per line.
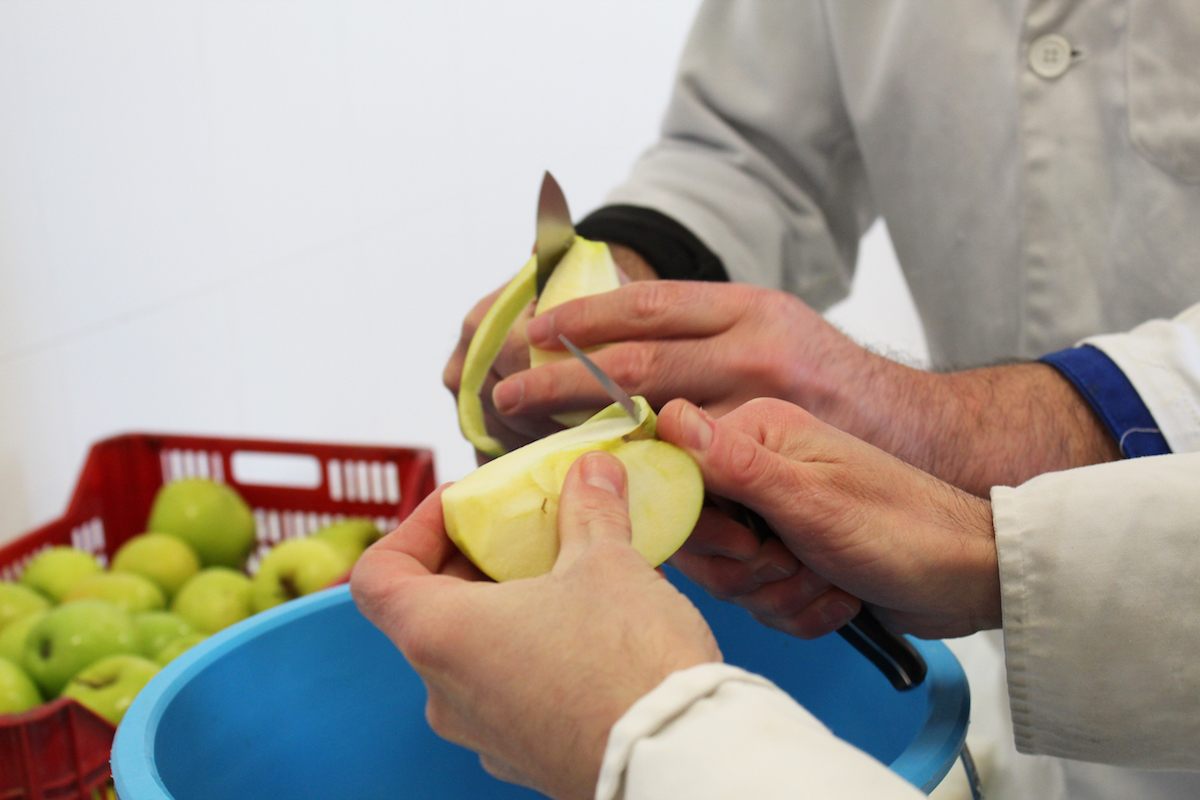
1113 398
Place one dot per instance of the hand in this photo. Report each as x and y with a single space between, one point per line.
717 344
920 552
720 345
513 432
532 674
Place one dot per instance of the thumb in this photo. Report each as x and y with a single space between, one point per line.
593 506
734 461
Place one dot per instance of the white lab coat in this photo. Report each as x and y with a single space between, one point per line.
1100 587
1038 166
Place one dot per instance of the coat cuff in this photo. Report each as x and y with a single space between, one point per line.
672 250
1113 398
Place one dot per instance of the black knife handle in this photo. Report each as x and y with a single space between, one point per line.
893 655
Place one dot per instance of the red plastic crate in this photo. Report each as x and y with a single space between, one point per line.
61 750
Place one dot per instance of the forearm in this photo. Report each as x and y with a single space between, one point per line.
994 426
632 264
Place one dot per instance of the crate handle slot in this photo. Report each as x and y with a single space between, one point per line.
289 470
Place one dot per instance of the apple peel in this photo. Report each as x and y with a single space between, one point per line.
504 515
587 268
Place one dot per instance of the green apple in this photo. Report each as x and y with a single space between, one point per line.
131 592
17 690
157 629
350 537
178 647
504 515
214 599
108 686
17 601
294 568
72 636
587 268
209 516
167 560
12 638
54 571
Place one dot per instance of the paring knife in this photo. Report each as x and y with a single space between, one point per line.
555 232
898 660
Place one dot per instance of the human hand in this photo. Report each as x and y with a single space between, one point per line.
531 674
513 432
717 344
858 522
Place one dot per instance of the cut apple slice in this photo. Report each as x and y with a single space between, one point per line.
586 268
504 515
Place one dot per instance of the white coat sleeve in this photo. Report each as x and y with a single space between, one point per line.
1161 358
716 731
1100 589
757 156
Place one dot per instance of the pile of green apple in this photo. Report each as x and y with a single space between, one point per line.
71 628
503 516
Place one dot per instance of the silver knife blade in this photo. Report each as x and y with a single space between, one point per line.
614 391
555 232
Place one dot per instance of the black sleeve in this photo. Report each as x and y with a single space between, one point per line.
671 249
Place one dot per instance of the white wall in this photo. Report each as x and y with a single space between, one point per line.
268 218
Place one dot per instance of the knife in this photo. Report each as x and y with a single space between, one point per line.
892 655
555 232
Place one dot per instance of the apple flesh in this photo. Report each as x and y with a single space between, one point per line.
504 515
586 268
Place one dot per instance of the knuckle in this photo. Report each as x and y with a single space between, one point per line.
439 717
631 364
452 375
651 300
747 462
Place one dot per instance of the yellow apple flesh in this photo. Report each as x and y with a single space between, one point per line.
504 515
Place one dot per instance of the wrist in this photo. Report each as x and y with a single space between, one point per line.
631 263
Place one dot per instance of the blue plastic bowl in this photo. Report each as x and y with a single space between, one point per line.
310 700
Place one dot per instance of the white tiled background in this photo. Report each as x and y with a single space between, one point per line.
268 218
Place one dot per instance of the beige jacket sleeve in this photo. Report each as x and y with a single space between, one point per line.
1161 358
715 732
1100 582
757 155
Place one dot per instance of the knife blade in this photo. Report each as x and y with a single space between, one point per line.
891 654
555 232
610 386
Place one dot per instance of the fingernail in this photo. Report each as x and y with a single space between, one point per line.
697 428
540 330
508 395
603 472
837 613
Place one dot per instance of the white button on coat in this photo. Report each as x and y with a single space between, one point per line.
1050 56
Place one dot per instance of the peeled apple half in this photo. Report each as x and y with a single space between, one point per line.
586 269
504 515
